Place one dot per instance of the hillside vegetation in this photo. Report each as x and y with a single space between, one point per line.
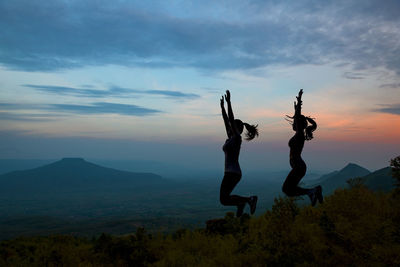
353 227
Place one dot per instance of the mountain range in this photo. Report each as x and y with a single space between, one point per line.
71 174
379 180
77 174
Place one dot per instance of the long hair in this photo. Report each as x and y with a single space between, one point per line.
310 128
309 125
251 131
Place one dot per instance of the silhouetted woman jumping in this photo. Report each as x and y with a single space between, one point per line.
296 143
233 173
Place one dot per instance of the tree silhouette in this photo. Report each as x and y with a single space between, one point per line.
395 164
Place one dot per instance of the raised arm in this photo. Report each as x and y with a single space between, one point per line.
230 113
297 107
226 120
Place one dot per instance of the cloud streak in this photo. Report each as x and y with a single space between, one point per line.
111 92
51 36
62 90
354 75
391 109
104 108
10 116
390 85
91 109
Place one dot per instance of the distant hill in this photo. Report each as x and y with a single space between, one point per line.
336 179
380 180
324 177
9 165
72 174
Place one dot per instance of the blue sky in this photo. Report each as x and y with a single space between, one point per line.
152 72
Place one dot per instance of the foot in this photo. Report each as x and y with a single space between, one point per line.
240 209
313 196
318 193
253 204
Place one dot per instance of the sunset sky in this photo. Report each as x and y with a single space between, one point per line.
141 80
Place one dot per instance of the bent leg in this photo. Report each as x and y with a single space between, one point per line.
290 186
228 184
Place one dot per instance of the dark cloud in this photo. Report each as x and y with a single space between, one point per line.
10 116
392 109
111 92
62 90
168 93
104 108
13 106
94 108
354 75
390 85
51 35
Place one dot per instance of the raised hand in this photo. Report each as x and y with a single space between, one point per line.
222 101
228 96
299 97
297 106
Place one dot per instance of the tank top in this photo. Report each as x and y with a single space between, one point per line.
296 144
232 150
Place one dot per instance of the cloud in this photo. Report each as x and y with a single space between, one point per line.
91 109
391 109
111 92
390 85
13 106
354 75
62 90
168 93
10 116
48 36
104 108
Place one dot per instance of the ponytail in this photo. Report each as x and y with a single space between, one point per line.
310 129
252 131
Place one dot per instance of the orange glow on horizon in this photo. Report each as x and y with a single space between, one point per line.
371 127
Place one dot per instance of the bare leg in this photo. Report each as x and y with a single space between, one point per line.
290 186
228 184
